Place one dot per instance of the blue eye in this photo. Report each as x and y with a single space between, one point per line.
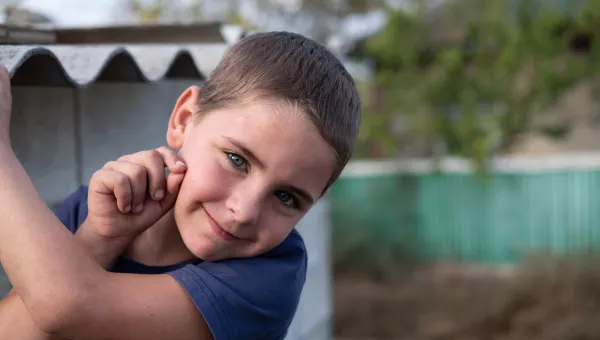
237 161
286 198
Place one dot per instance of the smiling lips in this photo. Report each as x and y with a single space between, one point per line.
218 230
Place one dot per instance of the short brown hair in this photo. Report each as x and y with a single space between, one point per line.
292 67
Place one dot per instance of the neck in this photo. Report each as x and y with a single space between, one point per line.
159 245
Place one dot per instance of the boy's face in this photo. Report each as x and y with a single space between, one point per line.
252 173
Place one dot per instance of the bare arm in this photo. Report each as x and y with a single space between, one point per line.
66 292
128 323
15 322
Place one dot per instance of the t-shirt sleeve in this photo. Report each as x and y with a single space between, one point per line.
73 211
252 298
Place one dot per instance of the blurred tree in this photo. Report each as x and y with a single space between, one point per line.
154 11
145 12
319 19
467 77
234 15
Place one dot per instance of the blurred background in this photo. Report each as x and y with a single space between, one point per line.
471 209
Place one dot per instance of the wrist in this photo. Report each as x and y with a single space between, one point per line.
104 250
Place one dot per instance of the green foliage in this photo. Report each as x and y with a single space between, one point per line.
147 13
471 74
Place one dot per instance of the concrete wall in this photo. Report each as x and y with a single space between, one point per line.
44 139
63 135
313 317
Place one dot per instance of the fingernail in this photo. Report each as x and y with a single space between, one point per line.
159 194
139 208
127 209
179 164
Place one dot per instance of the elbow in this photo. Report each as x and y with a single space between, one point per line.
55 312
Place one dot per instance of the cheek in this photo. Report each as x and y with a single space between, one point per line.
205 179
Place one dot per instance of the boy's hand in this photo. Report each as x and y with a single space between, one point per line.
129 195
5 107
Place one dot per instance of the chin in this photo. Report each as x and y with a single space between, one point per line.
205 249
209 256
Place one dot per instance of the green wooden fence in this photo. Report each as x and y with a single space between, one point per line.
525 206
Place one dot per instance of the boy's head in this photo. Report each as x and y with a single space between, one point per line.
276 121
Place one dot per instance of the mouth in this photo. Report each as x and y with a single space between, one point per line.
218 230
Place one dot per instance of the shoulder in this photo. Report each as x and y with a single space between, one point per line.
73 210
252 298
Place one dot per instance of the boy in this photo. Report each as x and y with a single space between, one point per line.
270 131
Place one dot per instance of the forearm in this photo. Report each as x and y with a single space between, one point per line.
15 320
46 265
16 323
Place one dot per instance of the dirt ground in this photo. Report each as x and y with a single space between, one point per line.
549 300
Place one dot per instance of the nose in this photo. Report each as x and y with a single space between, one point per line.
245 206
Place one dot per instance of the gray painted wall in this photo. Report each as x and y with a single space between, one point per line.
313 317
63 135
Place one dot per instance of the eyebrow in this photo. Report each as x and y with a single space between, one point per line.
305 196
249 154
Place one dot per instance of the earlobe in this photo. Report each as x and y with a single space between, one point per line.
183 113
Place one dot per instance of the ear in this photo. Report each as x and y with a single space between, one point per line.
182 115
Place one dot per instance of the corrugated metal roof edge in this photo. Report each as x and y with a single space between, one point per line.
81 65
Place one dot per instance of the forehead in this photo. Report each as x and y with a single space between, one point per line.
281 136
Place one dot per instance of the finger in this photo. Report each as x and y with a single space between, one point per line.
155 165
5 77
5 83
172 160
138 180
174 182
4 72
110 182
5 104
156 161
154 170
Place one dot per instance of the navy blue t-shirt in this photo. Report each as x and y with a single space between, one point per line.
252 298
